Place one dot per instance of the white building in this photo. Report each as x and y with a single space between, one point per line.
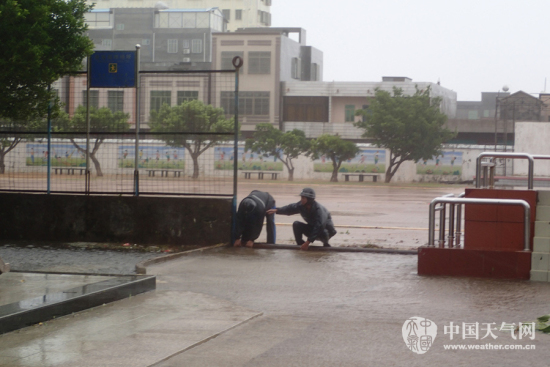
329 107
237 13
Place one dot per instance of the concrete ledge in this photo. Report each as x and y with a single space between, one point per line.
51 305
337 249
4 267
141 268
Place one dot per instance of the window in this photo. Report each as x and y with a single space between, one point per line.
366 109
120 27
172 46
185 44
314 72
259 62
250 103
160 97
226 13
146 41
306 109
187 95
106 44
238 14
115 100
472 115
196 46
350 113
94 98
296 68
97 19
227 60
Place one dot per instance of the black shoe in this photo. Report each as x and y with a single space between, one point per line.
326 245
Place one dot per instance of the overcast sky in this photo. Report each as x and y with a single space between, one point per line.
471 46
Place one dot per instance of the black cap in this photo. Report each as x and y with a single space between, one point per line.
308 193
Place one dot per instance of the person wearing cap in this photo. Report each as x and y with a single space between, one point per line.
250 219
318 226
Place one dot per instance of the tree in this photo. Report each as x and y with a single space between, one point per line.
285 146
410 127
101 120
7 144
191 117
335 148
42 40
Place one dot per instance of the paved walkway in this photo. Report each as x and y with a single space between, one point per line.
256 307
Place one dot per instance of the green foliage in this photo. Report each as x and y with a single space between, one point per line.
8 143
192 117
273 142
543 324
101 120
334 148
410 127
42 40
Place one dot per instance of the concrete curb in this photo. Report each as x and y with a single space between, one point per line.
338 249
4 267
141 267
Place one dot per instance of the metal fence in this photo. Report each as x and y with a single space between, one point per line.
111 156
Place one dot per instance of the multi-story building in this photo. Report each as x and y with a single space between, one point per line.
237 13
271 57
491 120
329 107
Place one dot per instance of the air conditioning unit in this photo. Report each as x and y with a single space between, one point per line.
186 51
186 59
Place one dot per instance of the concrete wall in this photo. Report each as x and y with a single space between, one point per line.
144 220
532 138
108 155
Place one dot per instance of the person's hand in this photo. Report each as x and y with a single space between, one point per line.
237 243
271 211
305 246
250 244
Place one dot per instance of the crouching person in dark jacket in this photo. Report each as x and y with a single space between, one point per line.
318 224
250 218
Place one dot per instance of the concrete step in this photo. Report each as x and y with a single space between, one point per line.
542 229
539 275
543 212
539 261
541 244
543 198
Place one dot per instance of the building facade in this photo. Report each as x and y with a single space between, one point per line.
237 13
270 57
329 107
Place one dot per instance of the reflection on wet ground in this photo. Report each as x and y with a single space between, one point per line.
77 260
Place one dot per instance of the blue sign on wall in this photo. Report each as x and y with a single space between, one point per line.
113 69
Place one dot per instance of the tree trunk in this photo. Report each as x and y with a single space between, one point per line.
96 165
195 165
389 174
334 177
291 174
2 164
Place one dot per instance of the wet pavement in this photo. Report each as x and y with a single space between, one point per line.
262 307
76 260
257 307
367 214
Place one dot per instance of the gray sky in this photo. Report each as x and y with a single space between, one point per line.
471 46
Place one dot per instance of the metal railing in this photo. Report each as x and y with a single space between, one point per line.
439 204
488 167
